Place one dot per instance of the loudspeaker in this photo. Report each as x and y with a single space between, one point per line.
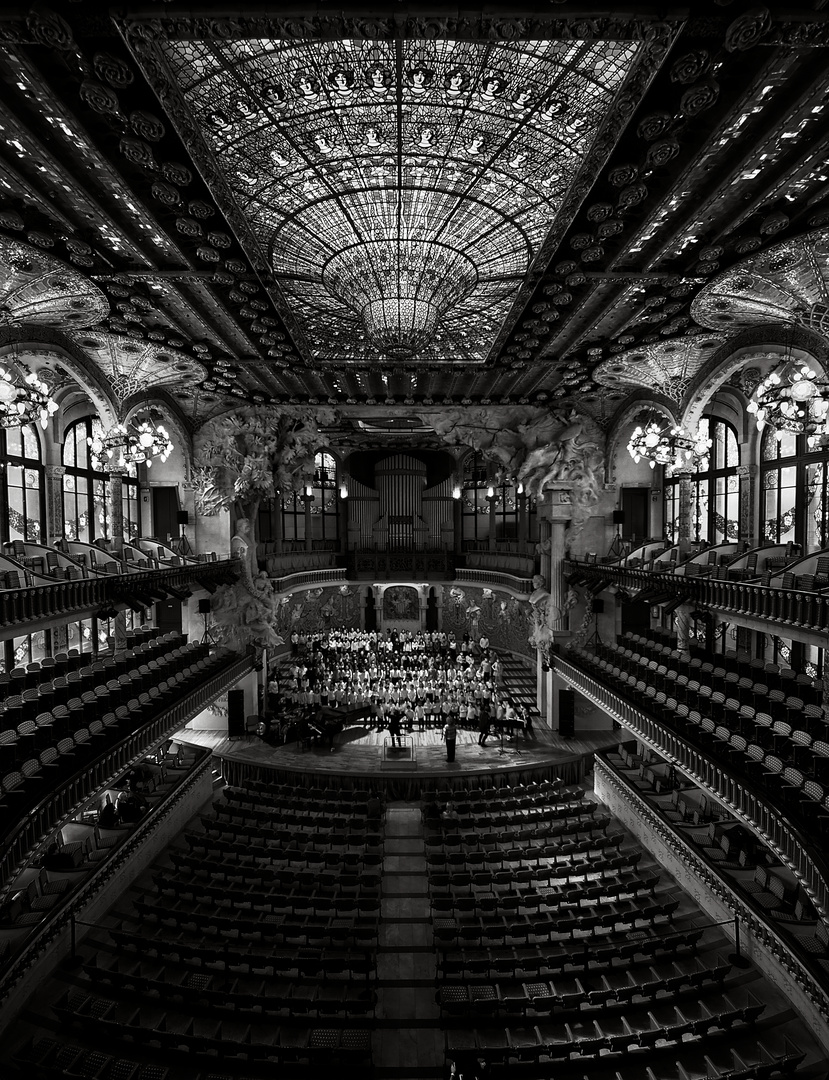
204 606
235 714
598 607
618 517
566 713
183 517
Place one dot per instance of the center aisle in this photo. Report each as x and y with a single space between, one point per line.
408 1040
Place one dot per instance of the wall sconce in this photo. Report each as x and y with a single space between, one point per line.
520 488
309 490
490 492
456 491
343 491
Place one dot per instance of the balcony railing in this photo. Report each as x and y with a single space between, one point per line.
496 577
764 933
70 599
797 607
58 920
71 793
755 808
309 577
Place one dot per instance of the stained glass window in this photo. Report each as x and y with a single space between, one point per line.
22 511
400 190
85 485
795 494
715 490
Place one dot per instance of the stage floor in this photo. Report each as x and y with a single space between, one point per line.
361 752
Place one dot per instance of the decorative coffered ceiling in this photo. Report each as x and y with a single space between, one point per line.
409 208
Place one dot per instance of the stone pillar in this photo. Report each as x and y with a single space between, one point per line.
748 499
682 622
55 526
523 523
491 499
307 500
116 514
557 511
457 523
277 524
686 525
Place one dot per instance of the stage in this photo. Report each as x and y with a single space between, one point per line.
363 758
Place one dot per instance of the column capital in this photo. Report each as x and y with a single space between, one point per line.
54 471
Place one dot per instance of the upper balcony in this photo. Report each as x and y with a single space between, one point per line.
772 582
42 586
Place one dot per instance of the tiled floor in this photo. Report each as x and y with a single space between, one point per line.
408 1040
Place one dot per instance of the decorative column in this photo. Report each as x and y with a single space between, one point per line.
682 622
116 514
276 518
748 499
491 499
523 523
686 526
55 525
307 499
556 511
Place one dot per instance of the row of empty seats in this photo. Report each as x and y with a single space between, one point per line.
790 764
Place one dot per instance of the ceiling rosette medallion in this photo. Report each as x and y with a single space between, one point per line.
665 367
787 283
38 289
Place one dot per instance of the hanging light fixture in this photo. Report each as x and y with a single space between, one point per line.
134 444
793 398
661 443
24 397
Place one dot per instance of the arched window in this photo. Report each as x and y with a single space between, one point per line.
715 489
474 501
86 488
85 484
795 505
325 517
22 498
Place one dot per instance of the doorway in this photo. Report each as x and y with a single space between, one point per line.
636 508
165 510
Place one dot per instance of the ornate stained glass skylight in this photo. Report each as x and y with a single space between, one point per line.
401 191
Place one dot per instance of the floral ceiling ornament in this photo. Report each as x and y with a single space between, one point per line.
38 289
666 367
787 283
129 365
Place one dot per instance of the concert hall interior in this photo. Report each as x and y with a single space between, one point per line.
414 540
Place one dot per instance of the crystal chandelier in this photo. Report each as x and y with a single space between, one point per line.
24 398
661 443
134 444
401 288
793 398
